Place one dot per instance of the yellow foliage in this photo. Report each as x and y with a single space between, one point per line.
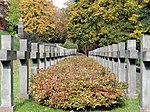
37 15
146 1
133 18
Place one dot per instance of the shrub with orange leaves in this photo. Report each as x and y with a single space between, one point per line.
77 83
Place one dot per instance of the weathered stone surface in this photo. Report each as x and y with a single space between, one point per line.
7 42
121 62
131 44
23 55
146 55
23 78
131 68
42 63
115 54
34 55
52 51
34 47
7 108
6 61
121 46
145 41
34 66
20 29
47 55
115 50
109 51
47 50
47 62
122 54
55 51
24 45
42 55
115 59
132 54
6 88
7 55
145 74
52 55
145 109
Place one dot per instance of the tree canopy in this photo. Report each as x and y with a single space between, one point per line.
88 23
103 22
38 16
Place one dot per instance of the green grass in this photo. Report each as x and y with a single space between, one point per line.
130 106
30 106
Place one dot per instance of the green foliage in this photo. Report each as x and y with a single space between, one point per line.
144 18
77 83
16 43
3 33
13 16
104 22
68 44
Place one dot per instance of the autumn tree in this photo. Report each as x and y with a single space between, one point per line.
102 22
142 26
3 14
60 22
82 25
145 17
38 18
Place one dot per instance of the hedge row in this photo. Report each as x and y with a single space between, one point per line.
77 83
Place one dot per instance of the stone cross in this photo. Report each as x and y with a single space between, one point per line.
145 74
121 62
7 55
131 68
47 51
34 58
55 54
23 56
110 57
52 54
115 59
41 56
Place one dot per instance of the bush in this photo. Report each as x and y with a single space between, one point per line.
68 44
77 83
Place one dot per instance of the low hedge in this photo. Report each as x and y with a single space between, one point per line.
77 83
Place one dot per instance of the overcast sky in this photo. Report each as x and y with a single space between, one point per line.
60 3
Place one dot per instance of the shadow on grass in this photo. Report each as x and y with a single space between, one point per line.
21 102
29 105
98 108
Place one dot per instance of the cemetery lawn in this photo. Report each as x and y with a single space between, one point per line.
30 106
